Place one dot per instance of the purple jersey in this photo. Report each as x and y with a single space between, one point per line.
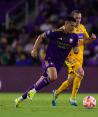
60 44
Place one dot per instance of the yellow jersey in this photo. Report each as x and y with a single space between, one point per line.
82 34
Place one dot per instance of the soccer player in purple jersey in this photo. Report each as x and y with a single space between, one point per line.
59 46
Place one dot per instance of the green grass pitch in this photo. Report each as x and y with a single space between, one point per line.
40 106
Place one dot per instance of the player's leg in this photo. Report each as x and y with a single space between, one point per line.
49 76
77 82
65 85
25 95
44 81
76 85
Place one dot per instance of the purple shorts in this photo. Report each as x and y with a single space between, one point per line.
50 64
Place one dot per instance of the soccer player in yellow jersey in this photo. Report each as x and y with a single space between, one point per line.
74 62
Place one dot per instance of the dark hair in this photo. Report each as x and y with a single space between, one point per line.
73 12
70 19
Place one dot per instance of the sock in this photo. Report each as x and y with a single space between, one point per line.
44 81
20 98
63 86
76 85
33 90
24 96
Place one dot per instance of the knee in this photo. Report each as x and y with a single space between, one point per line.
80 73
53 77
70 81
71 77
52 73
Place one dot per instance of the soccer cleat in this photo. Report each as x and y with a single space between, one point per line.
17 102
53 102
54 98
73 102
31 94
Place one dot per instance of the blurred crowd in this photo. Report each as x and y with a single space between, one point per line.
17 43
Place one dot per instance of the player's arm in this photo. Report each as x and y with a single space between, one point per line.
36 45
90 39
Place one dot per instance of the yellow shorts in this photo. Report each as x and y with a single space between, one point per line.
73 66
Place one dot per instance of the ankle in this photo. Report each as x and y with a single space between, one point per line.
33 90
73 98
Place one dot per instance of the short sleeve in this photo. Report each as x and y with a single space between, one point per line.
48 34
52 34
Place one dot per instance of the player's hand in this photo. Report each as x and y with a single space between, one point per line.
34 53
93 36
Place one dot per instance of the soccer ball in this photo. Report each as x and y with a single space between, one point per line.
89 102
